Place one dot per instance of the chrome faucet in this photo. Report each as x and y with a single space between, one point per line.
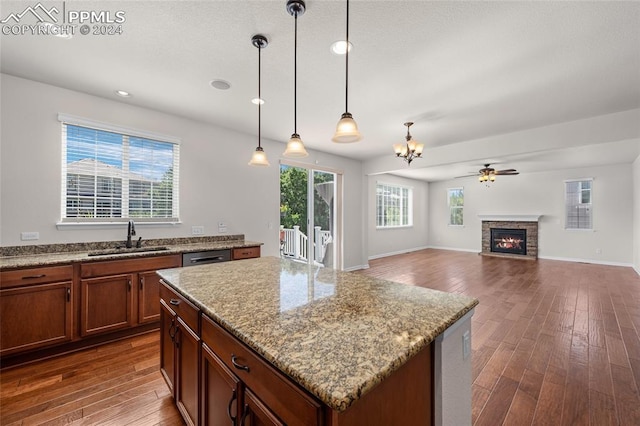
131 230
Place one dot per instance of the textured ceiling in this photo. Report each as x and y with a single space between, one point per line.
461 70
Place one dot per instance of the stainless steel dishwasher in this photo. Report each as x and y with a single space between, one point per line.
202 257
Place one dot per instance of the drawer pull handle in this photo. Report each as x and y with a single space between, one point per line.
203 259
245 413
238 366
174 302
232 417
32 277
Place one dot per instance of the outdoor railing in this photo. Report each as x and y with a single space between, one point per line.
294 244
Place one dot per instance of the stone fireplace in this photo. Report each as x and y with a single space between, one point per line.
510 236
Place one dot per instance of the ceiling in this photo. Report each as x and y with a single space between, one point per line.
462 71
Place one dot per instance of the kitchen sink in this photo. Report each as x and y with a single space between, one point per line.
124 250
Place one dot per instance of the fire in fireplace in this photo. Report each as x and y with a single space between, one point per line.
512 241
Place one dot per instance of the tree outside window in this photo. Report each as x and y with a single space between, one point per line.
455 199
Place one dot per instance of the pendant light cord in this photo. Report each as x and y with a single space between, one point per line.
259 95
295 74
346 95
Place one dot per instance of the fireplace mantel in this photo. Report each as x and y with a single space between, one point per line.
510 217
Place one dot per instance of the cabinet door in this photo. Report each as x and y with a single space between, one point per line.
106 304
148 297
35 316
168 324
255 413
220 391
187 361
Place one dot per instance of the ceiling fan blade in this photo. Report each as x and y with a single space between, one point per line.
475 174
507 173
506 170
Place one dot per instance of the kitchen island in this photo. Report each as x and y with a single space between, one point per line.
350 349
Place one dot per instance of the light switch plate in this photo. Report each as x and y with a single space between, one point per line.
466 344
197 230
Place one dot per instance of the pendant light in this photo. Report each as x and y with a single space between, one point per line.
347 129
295 147
259 158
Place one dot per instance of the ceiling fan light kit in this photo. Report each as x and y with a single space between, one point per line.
411 149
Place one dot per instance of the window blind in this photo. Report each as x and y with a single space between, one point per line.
114 176
455 200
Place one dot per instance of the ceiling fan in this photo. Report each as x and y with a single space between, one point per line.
488 173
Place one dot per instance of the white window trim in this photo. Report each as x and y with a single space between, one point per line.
564 189
410 207
70 223
449 207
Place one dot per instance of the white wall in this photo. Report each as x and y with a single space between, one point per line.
216 184
383 242
543 193
636 214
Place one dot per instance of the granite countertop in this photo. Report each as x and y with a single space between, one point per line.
60 254
337 334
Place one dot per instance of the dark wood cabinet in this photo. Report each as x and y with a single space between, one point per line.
35 316
148 297
167 345
220 391
187 378
255 413
120 294
106 304
245 253
182 319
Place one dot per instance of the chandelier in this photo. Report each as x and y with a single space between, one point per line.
411 149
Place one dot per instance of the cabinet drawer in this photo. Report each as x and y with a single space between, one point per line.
246 252
42 275
181 306
274 389
127 266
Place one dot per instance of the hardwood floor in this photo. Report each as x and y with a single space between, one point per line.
114 384
554 343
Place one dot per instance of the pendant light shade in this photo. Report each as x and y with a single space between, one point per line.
347 129
295 147
259 158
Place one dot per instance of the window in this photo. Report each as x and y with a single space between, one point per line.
111 176
394 206
455 200
578 206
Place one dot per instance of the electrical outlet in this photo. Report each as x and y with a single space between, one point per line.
29 236
466 344
598 251
222 227
197 230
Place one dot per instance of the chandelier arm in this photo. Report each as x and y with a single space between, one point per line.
259 96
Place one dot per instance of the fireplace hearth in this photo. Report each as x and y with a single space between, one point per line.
511 241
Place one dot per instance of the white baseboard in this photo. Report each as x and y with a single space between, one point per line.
596 262
379 256
454 249
356 268
637 269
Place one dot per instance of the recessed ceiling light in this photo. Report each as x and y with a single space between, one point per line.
340 47
220 84
123 93
257 101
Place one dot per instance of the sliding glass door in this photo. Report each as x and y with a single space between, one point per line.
308 215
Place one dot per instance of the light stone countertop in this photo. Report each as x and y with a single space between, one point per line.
62 258
337 334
